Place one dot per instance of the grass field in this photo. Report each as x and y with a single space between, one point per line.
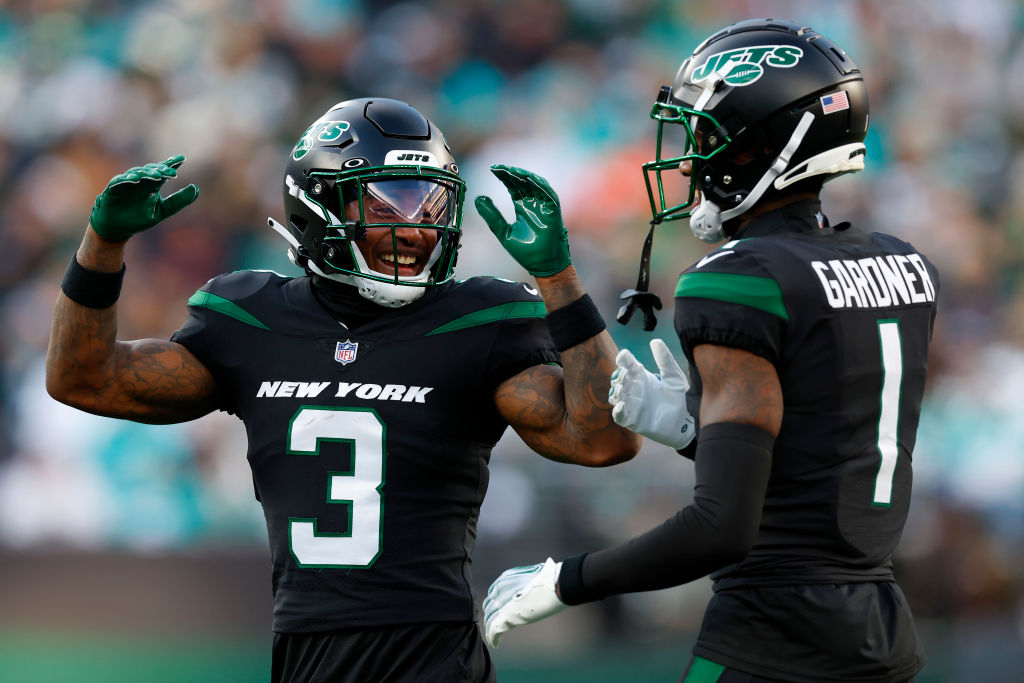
44 658
69 617
82 658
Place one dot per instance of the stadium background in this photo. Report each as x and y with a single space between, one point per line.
131 552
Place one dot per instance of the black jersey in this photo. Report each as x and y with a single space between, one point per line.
846 318
368 447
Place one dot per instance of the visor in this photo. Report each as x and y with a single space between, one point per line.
405 201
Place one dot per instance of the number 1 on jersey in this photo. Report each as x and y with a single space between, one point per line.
889 417
359 488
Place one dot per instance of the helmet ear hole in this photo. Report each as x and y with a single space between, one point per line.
298 223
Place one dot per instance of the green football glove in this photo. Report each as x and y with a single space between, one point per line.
537 240
131 202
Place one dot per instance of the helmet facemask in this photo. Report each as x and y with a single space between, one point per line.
397 199
728 189
684 134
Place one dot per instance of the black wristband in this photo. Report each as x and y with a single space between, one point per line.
571 589
575 323
91 288
690 450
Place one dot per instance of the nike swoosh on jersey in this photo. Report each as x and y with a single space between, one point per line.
529 289
711 257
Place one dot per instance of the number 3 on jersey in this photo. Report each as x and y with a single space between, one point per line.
359 487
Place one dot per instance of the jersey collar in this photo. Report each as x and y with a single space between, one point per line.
348 310
802 216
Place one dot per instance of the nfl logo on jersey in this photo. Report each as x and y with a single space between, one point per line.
345 352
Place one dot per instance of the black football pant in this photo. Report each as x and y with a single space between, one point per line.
701 670
442 652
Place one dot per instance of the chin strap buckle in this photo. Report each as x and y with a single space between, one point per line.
645 301
640 297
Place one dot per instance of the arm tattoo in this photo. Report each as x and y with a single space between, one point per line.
738 386
533 403
563 413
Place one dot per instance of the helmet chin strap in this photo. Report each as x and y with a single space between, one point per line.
707 219
641 297
283 232
386 294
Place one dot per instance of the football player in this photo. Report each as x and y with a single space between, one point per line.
372 389
807 344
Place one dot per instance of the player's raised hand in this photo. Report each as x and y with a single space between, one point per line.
131 202
537 239
649 404
521 595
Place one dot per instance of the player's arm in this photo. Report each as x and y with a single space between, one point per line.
148 380
561 413
739 387
741 414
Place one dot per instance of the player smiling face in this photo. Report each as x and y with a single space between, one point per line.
402 248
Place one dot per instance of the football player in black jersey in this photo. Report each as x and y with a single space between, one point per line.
807 346
372 389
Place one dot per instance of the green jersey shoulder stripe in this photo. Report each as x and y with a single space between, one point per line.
704 671
514 309
226 307
762 293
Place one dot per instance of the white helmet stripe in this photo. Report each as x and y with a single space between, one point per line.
283 232
713 81
707 219
300 194
777 167
843 159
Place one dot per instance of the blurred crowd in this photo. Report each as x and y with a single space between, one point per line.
563 88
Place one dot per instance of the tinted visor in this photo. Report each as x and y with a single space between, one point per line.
415 201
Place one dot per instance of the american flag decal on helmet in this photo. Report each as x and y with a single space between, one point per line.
837 101
345 352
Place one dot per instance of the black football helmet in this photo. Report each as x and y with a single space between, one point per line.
759 107
379 150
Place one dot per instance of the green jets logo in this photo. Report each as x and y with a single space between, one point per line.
745 65
321 131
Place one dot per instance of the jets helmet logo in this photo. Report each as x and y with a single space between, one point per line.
746 65
321 131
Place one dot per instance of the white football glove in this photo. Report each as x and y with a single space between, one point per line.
521 595
649 404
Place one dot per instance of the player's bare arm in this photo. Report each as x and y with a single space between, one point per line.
739 386
148 380
563 413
